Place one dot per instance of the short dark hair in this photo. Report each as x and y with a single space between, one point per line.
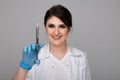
60 12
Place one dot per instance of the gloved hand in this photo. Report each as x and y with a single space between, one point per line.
29 56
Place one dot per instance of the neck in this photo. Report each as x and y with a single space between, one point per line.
58 51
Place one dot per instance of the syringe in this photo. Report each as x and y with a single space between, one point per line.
37 37
37 43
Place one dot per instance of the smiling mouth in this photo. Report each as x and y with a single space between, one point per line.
56 37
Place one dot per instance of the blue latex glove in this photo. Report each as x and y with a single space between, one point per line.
30 56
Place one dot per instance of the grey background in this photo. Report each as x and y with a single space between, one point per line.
96 30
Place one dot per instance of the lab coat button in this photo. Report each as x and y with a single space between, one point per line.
53 67
67 65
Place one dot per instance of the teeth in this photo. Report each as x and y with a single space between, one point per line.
58 37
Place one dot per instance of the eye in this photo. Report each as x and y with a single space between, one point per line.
51 25
62 26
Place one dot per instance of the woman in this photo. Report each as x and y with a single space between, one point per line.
58 61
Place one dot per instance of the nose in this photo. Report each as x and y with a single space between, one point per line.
56 31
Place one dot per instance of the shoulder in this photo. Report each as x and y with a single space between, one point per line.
80 55
44 52
76 51
44 48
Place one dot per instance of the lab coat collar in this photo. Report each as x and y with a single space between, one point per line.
44 52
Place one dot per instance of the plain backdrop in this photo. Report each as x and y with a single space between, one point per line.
96 30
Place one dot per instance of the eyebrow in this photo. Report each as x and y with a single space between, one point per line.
53 24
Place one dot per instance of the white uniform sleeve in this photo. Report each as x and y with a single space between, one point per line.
30 75
88 71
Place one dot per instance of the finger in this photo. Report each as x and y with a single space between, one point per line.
33 46
40 45
28 49
25 49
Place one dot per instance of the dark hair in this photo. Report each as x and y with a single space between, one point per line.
60 12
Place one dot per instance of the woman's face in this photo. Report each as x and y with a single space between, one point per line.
56 31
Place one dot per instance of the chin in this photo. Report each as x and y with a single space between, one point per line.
55 44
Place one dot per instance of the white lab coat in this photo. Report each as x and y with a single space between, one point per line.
45 71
